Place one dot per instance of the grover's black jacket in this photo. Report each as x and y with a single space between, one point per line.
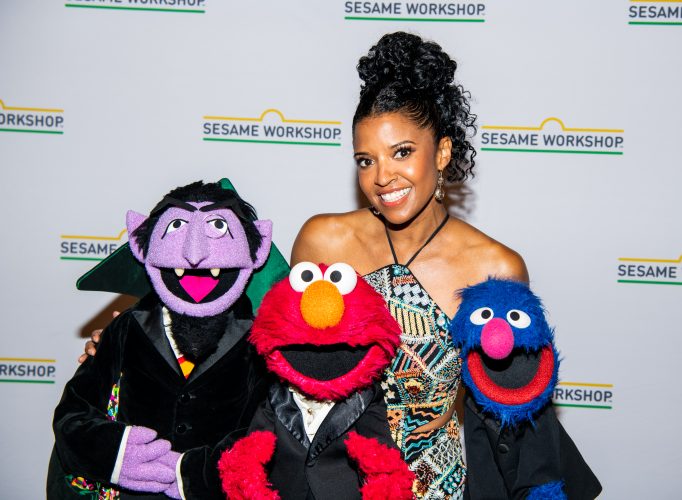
507 463
218 399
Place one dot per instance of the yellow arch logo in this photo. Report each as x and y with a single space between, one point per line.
36 110
104 238
564 128
274 111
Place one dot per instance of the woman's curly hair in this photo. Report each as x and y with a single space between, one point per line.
403 73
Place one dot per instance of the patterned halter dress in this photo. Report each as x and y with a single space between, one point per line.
421 383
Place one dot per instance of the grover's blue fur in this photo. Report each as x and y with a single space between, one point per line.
548 491
501 296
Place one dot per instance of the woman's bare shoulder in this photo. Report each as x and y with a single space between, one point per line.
329 237
486 257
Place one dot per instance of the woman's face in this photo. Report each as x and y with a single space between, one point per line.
398 164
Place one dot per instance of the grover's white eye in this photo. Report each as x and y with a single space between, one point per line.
219 224
174 225
481 316
518 319
303 274
342 276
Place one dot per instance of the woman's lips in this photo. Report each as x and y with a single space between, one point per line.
394 197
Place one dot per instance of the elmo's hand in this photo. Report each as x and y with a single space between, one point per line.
386 475
242 468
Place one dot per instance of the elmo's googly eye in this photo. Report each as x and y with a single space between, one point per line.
518 319
303 274
174 225
342 276
481 316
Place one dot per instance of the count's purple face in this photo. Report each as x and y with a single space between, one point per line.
199 261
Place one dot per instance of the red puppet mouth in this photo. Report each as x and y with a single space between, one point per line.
493 377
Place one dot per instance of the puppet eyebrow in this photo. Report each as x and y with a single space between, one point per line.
173 202
231 204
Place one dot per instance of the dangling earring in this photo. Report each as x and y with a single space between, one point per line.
375 211
439 194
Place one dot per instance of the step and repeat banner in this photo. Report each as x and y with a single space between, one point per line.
105 105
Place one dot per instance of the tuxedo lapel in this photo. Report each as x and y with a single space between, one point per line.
341 418
287 412
151 322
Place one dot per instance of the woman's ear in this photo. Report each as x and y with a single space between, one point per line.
444 153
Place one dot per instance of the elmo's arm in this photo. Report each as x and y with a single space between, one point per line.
386 475
242 467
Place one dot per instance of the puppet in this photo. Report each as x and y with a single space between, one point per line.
516 447
177 365
328 336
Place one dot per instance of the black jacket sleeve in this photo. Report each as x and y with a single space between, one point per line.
199 468
86 441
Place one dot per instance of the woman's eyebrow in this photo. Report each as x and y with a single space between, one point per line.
402 143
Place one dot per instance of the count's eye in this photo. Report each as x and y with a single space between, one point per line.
220 225
174 225
303 274
518 319
342 276
481 316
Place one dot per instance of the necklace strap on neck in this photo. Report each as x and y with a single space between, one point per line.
428 240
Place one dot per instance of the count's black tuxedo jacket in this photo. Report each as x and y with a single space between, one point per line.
322 469
219 398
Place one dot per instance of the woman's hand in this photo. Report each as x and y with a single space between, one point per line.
91 345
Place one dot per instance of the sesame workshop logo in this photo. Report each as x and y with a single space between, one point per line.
583 395
32 120
552 136
650 271
271 127
27 370
75 247
444 12
661 13
177 6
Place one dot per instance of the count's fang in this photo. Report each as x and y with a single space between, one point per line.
215 272
179 272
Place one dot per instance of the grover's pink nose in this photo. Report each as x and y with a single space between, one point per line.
497 338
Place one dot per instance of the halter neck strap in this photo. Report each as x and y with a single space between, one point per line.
428 240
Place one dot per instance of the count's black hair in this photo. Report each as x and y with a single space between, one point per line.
403 73
198 192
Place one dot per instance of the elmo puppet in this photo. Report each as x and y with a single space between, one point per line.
322 431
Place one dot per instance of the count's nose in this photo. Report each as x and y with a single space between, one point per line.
195 249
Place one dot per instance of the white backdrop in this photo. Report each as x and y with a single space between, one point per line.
105 105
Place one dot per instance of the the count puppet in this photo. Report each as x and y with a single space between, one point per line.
174 372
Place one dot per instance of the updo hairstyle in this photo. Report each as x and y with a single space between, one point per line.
403 73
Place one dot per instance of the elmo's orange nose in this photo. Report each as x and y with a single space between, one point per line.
322 305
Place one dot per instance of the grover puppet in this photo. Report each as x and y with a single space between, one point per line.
175 371
328 336
516 447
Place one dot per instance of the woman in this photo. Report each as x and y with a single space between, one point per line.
410 134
